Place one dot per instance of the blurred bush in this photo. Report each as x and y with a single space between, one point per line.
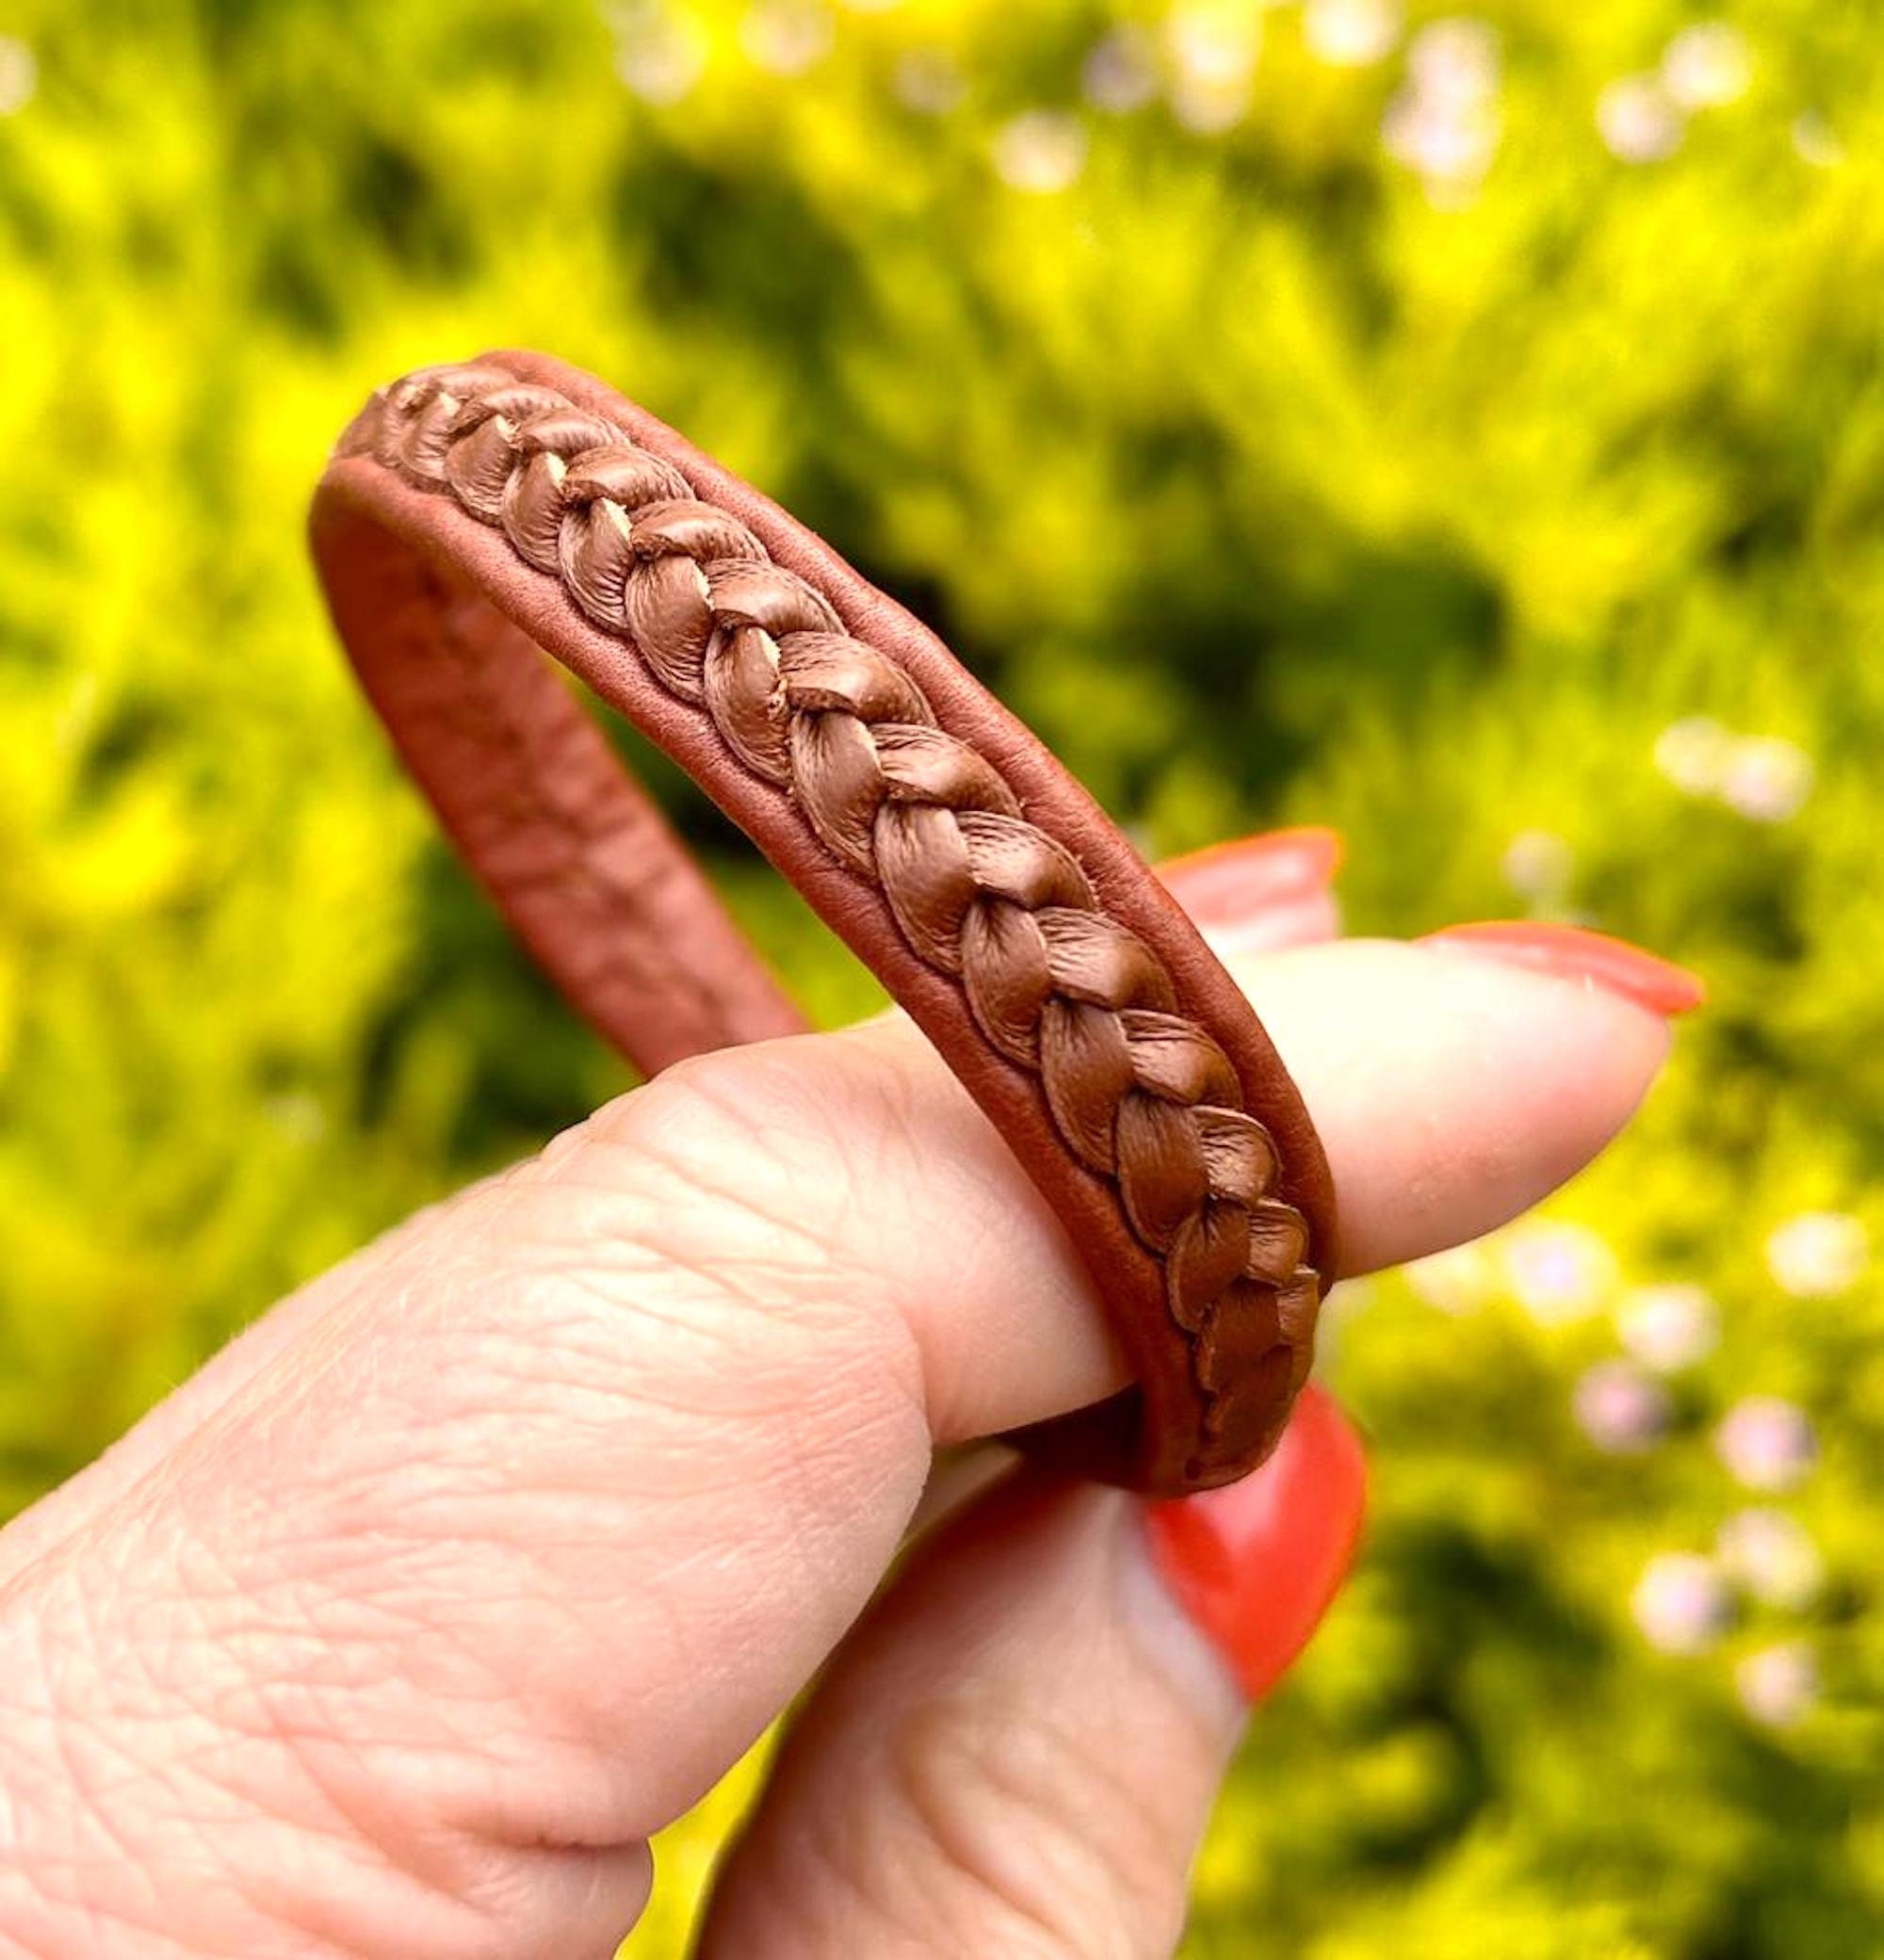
1466 431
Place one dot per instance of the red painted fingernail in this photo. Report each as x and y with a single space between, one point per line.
1228 883
1256 1564
1570 952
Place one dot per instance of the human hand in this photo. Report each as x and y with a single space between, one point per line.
403 1626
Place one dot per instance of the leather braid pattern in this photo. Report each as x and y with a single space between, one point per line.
1139 1093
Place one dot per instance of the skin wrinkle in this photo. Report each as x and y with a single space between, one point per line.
711 1124
461 1895
464 1781
27 1823
320 1537
478 1689
688 1168
220 1767
388 1837
773 1398
364 1849
399 1569
90 1939
89 1740
746 1279
532 1369
120 1859
959 1795
622 1874
1067 1778
428 1632
837 1858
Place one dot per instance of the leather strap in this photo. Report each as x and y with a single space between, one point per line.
474 514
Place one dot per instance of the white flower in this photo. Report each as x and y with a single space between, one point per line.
19 75
1771 1556
1637 121
1538 864
1765 778
1214 42
1458 1281
1767 1443
1350 33
1707 65
1450 148
1668 1328
657 55
787 37
1679 1603
1120 72
1041 151
1816 141
1818 1255
1558 1272
1213 48
1454 61
1445 122
928 81
1778 1685
1620 1410
1692 754
1208 109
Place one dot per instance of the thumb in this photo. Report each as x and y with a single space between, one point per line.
1017 1749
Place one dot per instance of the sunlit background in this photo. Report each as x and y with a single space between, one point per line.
1463 430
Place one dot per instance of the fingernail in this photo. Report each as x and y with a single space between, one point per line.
1230 883
1255 1566
1570 952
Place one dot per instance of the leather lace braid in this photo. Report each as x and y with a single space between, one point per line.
982 892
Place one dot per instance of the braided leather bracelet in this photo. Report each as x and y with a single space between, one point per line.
474 514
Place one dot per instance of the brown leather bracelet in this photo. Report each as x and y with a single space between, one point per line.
474 514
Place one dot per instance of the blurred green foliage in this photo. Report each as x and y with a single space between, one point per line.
1469 435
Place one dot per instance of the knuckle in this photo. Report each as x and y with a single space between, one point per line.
755 1197
705 1150
1031 1842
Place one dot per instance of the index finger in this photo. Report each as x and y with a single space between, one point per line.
631 1440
